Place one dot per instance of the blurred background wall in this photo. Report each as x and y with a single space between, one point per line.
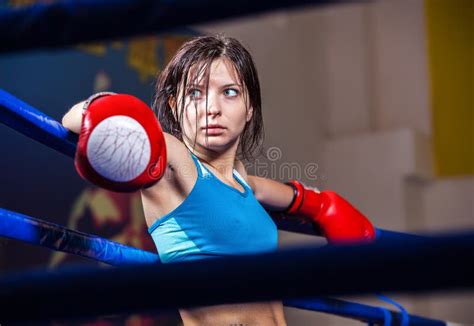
374 97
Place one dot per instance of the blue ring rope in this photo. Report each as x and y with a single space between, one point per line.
298 272
56 24
46 234
34 231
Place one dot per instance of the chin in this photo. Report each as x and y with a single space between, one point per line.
217 144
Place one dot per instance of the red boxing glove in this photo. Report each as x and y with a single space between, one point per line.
121 145
339 221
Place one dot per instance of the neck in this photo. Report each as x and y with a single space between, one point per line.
222 161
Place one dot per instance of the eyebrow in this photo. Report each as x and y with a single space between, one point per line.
232 84
223 86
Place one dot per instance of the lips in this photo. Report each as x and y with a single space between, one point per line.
213 126
213 129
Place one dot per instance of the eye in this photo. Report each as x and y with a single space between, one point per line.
231 92
195 93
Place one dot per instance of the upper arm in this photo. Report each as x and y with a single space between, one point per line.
271 194
177 153
180 171
261 187
175 185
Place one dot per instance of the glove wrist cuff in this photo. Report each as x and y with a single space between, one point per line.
298 197
94 97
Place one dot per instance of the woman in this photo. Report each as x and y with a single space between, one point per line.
205 205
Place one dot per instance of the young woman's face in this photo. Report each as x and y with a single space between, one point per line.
226 109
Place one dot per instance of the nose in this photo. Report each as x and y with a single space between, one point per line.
213 106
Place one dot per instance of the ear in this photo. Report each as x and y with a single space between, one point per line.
249 114
172 104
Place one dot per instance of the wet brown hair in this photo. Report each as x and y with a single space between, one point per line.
200 52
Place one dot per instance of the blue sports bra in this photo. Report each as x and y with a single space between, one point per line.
215 219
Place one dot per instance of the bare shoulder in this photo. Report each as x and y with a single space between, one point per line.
180 165
240 167
177 153
175 185
180 174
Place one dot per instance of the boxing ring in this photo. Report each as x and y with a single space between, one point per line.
390 264
387 265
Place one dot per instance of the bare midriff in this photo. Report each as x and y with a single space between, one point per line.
245 314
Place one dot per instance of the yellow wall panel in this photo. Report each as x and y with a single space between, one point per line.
450 26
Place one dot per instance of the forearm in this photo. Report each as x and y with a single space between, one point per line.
73 118
273 195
